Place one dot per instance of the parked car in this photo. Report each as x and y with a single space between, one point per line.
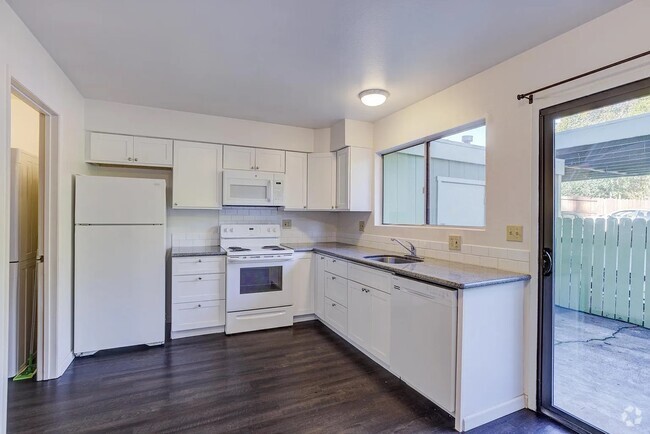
631 214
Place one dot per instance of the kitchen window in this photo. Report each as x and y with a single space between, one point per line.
439 181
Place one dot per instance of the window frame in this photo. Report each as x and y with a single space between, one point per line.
426 141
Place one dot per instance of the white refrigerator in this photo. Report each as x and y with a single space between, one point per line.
119 291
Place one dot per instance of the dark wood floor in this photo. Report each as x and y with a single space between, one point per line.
300 379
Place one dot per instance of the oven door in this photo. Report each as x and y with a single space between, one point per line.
257 284
241 187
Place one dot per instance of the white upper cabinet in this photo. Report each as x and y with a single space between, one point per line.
270 160
197 175
295 181
110 148
244 158
238 158
354 179
153 152
321 181
129 150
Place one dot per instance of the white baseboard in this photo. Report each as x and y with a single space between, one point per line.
474 420
63 366
197 332
304 317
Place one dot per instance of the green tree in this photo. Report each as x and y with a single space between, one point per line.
626 187
613 112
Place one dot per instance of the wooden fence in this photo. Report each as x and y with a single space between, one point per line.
601 267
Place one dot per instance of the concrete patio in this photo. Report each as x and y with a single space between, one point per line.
602 371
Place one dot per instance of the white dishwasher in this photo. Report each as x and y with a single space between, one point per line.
423 339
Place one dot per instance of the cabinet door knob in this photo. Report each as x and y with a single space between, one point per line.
200 278
333 278
200 260
130 159
135 159
199 305
175 203
333 304
252 167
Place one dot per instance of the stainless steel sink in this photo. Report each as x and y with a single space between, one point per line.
393 259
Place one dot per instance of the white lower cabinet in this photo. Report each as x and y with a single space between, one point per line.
336 315
359 314
423 339
300 283
380 325
198 295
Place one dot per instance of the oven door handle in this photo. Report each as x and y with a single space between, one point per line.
243 261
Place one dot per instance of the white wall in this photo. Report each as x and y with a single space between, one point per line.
24 59
25 126
110 117
512 142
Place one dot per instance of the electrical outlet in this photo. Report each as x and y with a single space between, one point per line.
515 233
362 225
454 242
286 224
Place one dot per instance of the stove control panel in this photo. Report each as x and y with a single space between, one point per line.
250 231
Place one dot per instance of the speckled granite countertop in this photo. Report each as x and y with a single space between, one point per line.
454 275
198 251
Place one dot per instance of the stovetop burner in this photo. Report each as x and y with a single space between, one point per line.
273 248
238 249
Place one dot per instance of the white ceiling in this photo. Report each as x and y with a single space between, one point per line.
294 62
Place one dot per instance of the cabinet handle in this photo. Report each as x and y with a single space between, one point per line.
333 278
200 278
130 159
199 305
333 304
396 287
175 203
135 159
333 260
200 260
253 167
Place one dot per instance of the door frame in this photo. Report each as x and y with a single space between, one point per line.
46 346
546 236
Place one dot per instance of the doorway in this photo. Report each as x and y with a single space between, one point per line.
26 222
594 338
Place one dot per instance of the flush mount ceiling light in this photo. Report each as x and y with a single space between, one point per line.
373 97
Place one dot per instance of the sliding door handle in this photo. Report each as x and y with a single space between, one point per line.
547 262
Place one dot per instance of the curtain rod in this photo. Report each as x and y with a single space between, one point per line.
529 95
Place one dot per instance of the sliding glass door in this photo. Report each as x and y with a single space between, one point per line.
594 236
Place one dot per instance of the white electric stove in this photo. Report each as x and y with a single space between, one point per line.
257 294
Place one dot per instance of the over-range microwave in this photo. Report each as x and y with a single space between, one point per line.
248 188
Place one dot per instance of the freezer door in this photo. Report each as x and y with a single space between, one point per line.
109 200
119 294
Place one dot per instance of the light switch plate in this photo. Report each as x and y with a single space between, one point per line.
362 225
454 242
515 233
286 224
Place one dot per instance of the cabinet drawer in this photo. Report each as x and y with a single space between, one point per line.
198 287
336 315
197 315
337 266
336 288
198 265
370 277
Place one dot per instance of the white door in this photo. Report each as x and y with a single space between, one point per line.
300 282
119 286
111 148
148 151
295 181
321 181
197 175
269 160
319 285
359 314
380 325
110 200
238 158
343 179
